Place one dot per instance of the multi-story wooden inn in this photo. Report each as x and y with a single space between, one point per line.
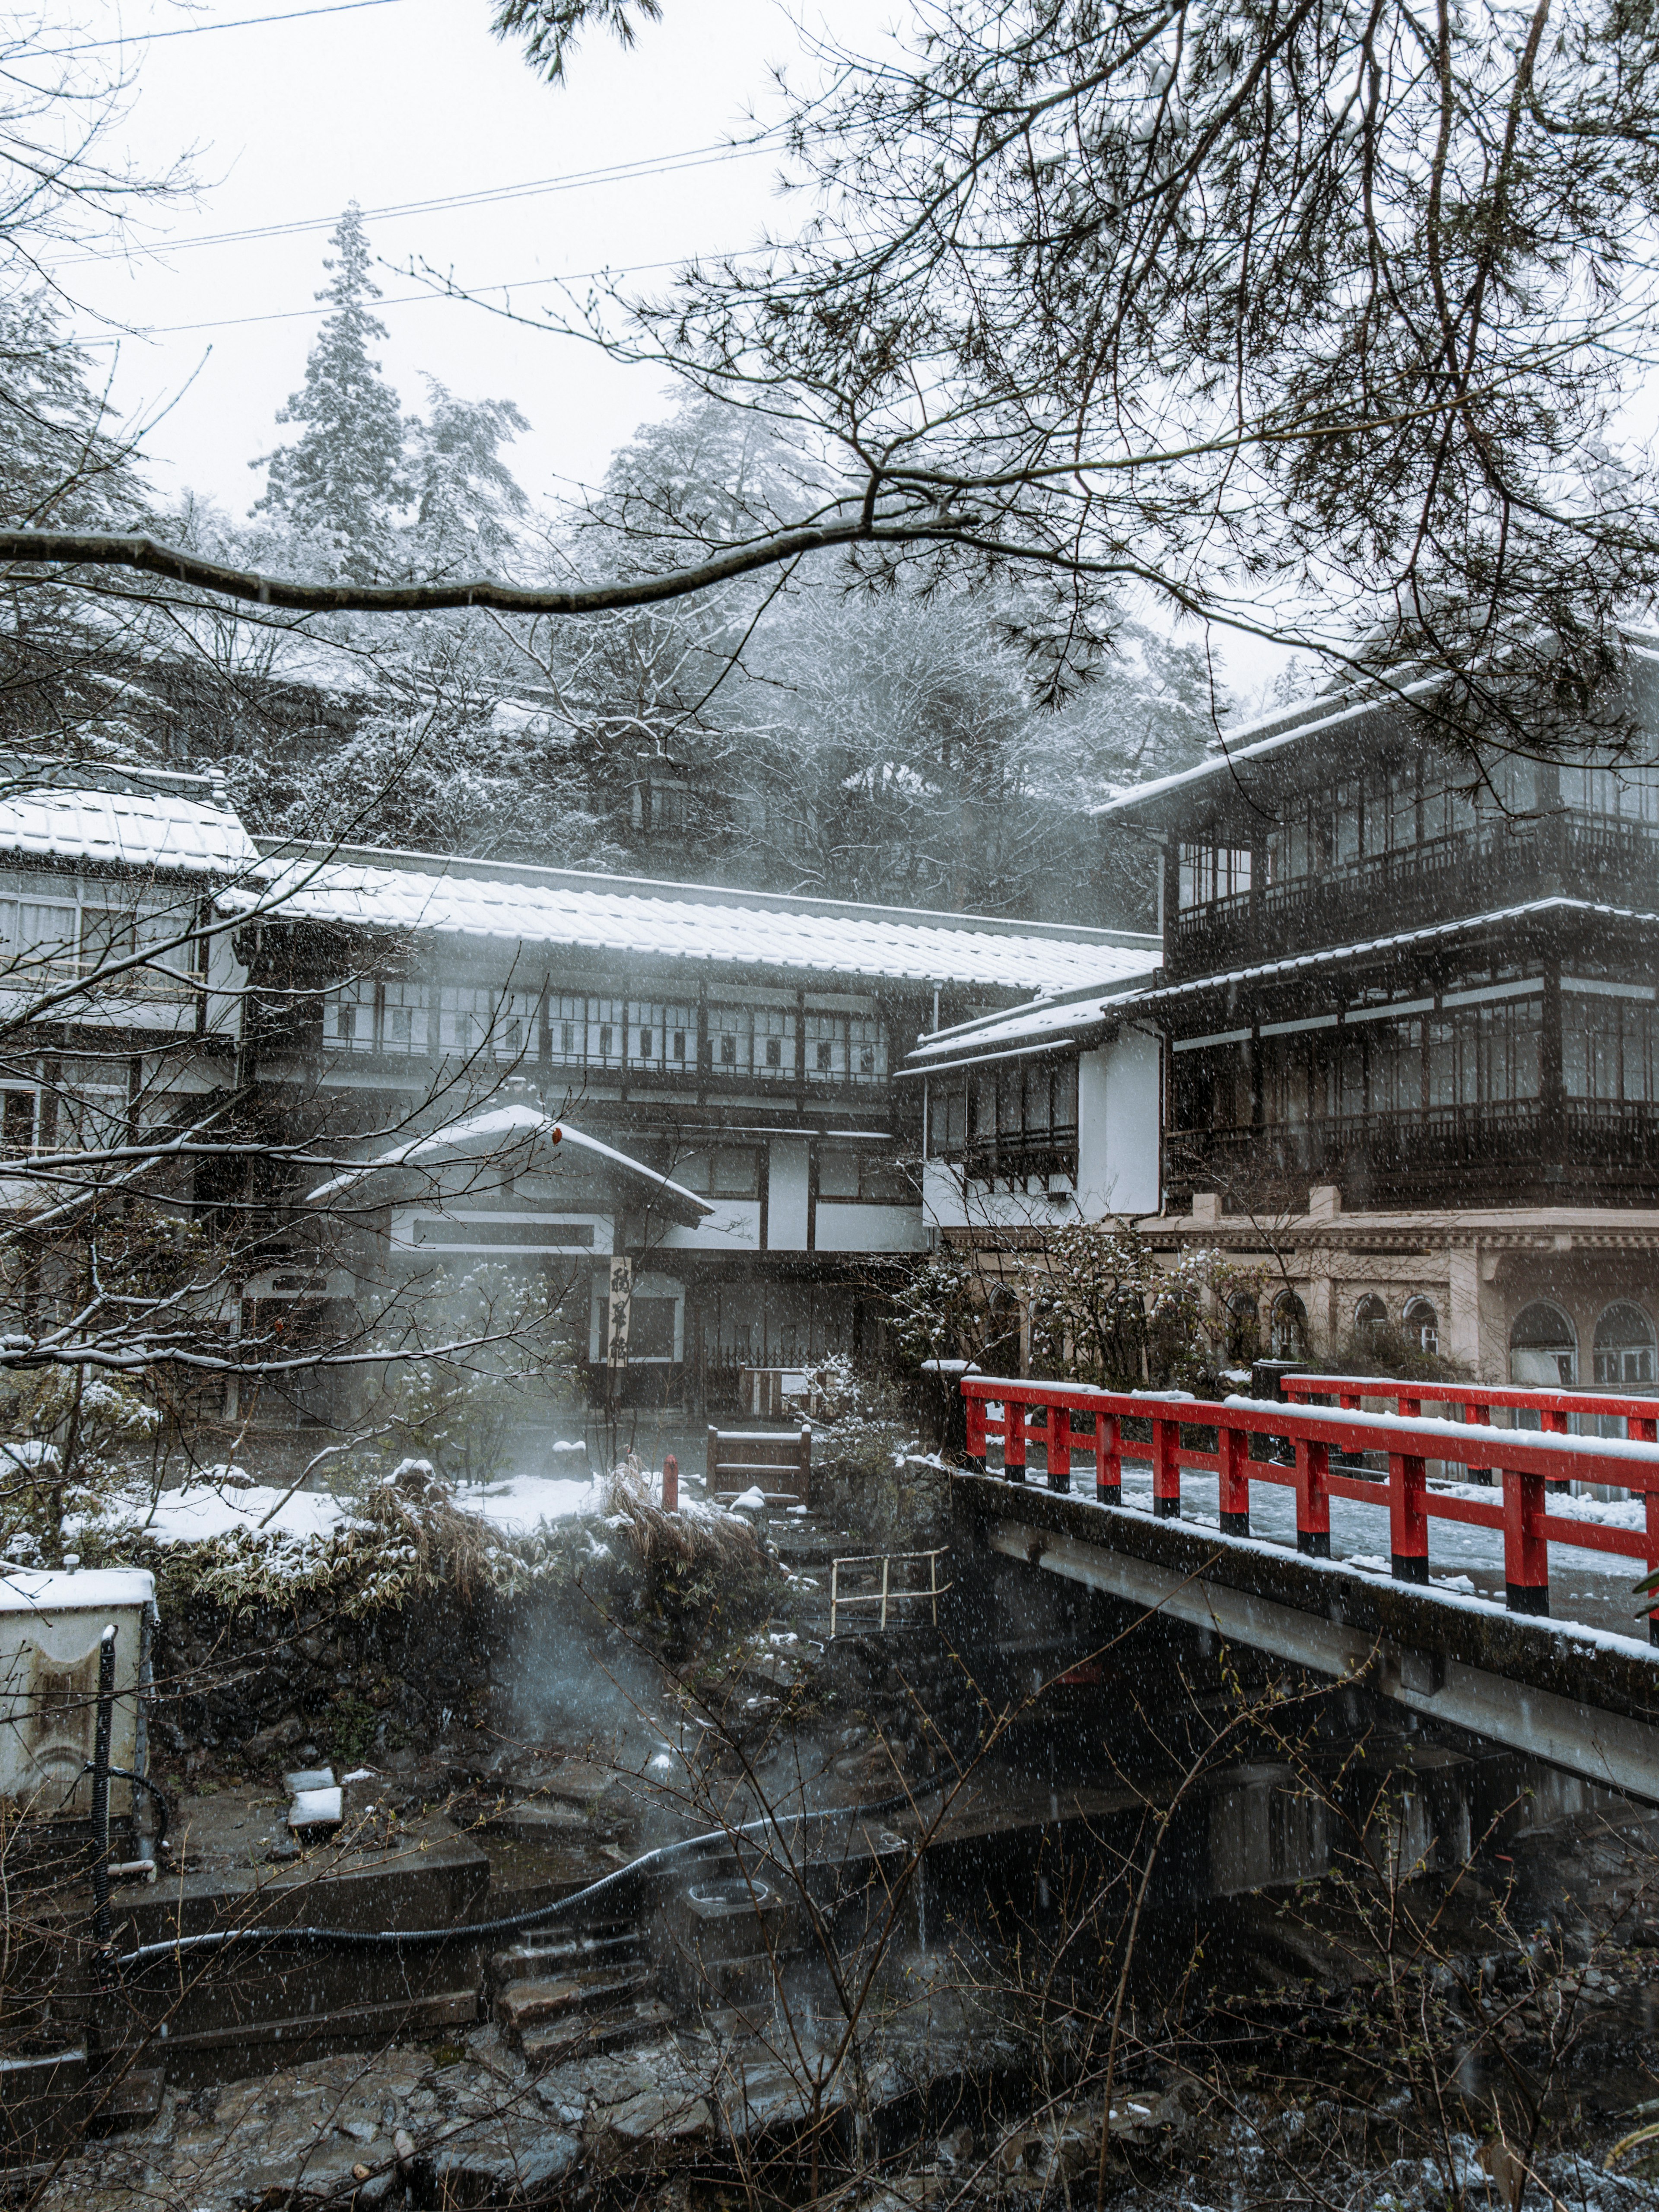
1405 1036
740 1043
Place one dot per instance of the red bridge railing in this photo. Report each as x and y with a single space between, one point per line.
1554 1408
1528 1461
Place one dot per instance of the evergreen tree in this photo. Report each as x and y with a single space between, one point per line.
466 499
340 482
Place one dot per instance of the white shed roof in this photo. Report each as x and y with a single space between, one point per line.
140 829
703 926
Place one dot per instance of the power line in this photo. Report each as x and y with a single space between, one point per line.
404 300
694 157
194 30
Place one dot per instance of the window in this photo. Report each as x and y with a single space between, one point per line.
1543 1348
947 1116
92 1116
349 1017
32 931
1625 794
1370 1315
403 1018
1290 1331
17 1122
1624 1346
720 1171
1209 873
1243 1328
651 1327
1423 1323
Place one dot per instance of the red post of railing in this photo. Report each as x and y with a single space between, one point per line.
1646 1431
1060 1447
1108 1461
973 1446
1409 1517
1166 1470
1014 1440
1480 1416
1526 1549
1234 1456
1313 1499
1555 1424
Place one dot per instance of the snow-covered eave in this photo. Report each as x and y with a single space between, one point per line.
1044 1026
1292 963
458 869
501 1130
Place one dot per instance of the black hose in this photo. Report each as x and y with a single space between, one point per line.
471 1931
100 1763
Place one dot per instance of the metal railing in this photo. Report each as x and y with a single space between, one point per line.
886 1595
1528 1463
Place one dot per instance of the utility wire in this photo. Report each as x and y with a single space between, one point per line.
194 30
693 157
403 300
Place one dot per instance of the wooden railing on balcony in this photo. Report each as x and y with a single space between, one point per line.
1496 865
1587 1144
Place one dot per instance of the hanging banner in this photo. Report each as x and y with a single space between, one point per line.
622 1299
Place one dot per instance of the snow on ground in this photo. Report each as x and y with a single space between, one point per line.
523 1501
216 1506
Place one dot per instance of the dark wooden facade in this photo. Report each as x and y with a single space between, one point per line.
1425 981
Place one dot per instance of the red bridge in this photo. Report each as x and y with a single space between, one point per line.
1250 1486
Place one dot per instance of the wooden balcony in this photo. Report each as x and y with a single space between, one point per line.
1497 864
1520 1153
1015 1156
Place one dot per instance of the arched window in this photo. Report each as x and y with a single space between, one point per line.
1423 1323
1243 1328
1543 1348
1623 1346
1290 1327
1370 1315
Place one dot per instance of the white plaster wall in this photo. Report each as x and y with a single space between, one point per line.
1119 1139
786 1159
844 1225
945 1206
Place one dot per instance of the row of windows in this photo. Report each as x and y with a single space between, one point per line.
1474 1056
65 934
575 1030
1544 1347
1027 1101
1543 1342
1487 1055
1395 810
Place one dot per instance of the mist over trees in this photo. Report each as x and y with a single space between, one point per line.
885 739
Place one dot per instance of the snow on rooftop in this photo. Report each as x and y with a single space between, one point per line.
138 829
1043 1022
1431 931
509 1132
1260 740
705 929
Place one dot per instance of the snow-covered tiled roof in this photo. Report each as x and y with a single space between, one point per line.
1046 1023
1263 740
145 828
1295 962
702 925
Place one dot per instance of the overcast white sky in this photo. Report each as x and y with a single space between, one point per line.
410 100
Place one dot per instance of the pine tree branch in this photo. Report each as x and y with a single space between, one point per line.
85 549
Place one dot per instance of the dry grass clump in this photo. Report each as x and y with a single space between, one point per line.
699 1535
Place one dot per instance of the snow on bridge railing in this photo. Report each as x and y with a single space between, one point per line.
999 1407
1554 1408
